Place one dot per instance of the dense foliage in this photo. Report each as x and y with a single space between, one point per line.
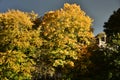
58 46
47 47
18 43
66 34
113 25
106 60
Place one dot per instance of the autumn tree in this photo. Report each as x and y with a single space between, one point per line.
66 35
18 43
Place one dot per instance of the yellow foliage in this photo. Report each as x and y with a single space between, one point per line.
70 63
18 42
16 30
67 33
15 62
15 17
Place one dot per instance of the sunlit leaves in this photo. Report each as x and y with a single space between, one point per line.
15 64
18 43
58 40
66 33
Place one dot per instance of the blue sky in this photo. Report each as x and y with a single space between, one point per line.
99 10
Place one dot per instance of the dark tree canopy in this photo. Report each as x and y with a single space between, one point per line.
113 25
107 59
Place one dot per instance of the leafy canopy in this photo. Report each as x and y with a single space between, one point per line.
107 59
113 25
18 42
66 33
